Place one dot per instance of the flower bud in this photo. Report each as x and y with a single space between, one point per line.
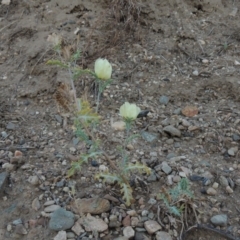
103 69
129 111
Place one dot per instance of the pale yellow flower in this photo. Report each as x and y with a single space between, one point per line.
103 69
129 111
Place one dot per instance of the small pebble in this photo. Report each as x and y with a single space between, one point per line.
9 227
229 190
51 208
211 191
144 213
33 180
176 179
195 73
219 220
48 203
164 100
132 213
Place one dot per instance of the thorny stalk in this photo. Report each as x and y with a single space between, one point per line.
82 122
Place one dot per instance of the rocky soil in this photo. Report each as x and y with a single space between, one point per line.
180 60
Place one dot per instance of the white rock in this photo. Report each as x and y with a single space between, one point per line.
41 197
44 214
51 208
33 180
8 166
232 151
72 149
26 166
144 213
201 41
163 236
237 182
195 73
229 190
103 168
215 185
211 191
6 2
119 126
48 203
77 228
186 123
66 189
170 180
130 147
132 213
182 174
134 221
233 12
128 232
236 63
9 227
205 61
36 204
152 226
91 223
62 235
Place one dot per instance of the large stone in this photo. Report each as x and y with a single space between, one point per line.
92 224
90 205
128 232
61 220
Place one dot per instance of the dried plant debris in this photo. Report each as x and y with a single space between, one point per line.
64 97
126 11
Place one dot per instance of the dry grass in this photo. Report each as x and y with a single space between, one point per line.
126 12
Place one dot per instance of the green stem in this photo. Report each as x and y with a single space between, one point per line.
98 96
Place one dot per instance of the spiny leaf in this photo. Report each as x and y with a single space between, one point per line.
85 157
189 193
108 177
57 63
82 135
71 172
129 139
103 84
138 167
76 55
78 72
86 113
174 210
75 166
175 193
184 185
126 190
